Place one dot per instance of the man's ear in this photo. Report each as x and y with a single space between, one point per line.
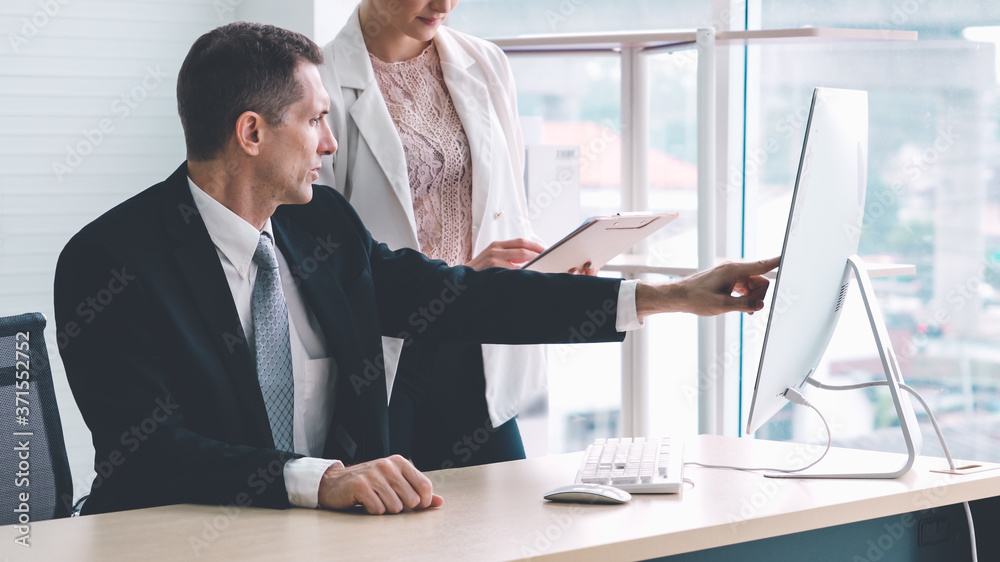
248 132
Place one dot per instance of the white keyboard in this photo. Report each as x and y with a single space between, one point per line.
635 464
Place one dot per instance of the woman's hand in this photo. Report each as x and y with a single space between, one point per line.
586 270
506 253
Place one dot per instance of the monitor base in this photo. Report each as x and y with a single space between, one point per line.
894 377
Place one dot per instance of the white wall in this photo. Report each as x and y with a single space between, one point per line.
330 17
320 20
296 15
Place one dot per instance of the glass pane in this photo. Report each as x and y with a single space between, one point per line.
508 18
573 103
933 197
571 110
673 186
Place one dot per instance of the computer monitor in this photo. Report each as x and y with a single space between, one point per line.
818 259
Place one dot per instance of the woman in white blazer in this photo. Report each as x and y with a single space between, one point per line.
450 405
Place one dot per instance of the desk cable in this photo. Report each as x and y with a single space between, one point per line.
937 430
795 397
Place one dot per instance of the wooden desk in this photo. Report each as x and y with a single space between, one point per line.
496 512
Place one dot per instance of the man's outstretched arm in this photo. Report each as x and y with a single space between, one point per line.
393 484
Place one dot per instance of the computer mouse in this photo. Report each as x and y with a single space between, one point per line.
588 493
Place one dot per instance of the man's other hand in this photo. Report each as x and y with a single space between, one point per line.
388 485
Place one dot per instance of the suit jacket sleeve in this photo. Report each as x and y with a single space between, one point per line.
420 298
126 379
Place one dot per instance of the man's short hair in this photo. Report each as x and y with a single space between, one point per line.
235 68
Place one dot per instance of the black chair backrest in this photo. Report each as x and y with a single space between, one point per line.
33 462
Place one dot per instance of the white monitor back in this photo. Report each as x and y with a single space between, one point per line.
824 225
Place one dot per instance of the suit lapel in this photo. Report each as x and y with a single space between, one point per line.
320 290
199 265
350 436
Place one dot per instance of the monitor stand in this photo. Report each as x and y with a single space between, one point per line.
904 409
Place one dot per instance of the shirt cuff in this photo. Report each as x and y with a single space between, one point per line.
302 478
628 316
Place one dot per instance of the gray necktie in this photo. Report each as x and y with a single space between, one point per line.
274 354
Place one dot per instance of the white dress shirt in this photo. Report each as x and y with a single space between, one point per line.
236 241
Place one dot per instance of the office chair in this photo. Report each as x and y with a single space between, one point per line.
32 451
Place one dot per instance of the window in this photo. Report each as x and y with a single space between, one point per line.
933 200
575 101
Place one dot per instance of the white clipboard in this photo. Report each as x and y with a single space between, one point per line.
598 241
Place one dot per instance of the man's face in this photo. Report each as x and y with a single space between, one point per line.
291 151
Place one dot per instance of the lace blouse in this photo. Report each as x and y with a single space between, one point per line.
438 159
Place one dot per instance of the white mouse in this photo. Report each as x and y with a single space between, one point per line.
588 493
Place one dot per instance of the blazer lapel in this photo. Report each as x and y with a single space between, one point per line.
200 267
376 126
371 116
473 105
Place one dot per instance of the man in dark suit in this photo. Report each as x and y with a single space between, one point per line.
223 327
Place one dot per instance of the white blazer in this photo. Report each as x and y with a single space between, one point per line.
369 168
